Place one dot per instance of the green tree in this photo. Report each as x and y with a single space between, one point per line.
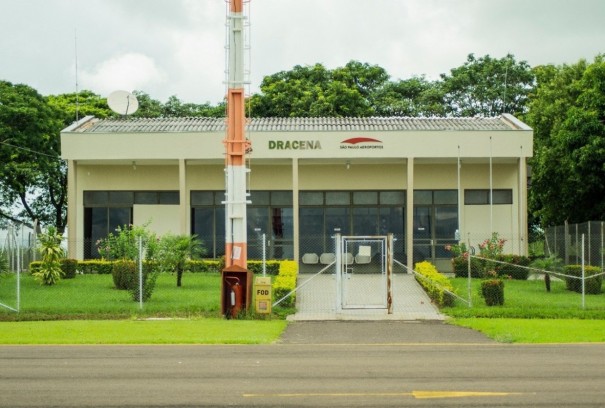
175 108
32 177
488 86
175 250
568 168
148 107
314 91
74 106
410 97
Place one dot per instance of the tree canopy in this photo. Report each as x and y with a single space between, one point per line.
487 86
31 182
568 168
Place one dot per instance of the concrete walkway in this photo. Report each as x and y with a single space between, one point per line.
316 299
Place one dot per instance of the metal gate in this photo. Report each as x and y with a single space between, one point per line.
364 271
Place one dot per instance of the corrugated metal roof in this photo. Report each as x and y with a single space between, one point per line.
151 125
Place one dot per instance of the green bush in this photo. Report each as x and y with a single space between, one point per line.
124 274
3 262
69 268
492 291
461 267
435 284
272 267
99 266
285 282
592 283
35 266
150 276
197 266
515 267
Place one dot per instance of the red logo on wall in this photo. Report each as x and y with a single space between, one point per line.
361 143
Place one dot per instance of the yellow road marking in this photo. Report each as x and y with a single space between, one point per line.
459 394
415 394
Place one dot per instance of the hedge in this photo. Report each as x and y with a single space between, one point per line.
285 282
434 283
512 268
100 266
592 284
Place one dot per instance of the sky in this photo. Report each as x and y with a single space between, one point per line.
177 47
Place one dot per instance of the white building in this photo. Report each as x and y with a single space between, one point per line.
419 178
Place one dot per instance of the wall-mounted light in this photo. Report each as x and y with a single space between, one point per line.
348 165
134 165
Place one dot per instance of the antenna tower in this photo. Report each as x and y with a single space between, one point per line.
236 144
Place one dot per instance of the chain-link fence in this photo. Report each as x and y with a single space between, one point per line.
565 242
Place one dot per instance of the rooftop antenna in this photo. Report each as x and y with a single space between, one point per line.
77 90
123 103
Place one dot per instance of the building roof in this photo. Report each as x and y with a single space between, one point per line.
189 124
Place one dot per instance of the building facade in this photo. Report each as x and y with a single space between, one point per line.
429 181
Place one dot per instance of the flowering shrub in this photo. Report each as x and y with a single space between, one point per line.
124 243
492 247
457 249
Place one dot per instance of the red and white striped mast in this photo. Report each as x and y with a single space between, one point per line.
236 143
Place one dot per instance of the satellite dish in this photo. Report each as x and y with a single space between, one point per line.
122 102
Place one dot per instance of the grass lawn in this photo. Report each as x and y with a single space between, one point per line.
528 299
94 297
530 314
196 331
537 330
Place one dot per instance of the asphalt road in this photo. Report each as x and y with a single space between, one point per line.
302 372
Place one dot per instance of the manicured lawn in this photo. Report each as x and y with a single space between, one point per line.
197 331
528 299
538 330
94 297
530 314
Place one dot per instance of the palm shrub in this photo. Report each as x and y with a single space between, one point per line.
50 271
175 250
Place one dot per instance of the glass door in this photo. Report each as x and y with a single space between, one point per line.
434 227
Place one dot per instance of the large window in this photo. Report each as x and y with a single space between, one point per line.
360 213
104 211
482 197
270 213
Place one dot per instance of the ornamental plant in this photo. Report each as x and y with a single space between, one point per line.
492 289
3 262
50 271
457 250
124 243
492 247
174 252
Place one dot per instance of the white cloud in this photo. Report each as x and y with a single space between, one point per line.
129 71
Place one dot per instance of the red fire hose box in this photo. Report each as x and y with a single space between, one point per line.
236 291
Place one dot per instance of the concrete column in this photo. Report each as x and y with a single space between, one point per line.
295 212
184 212
522 206
72 213
409 214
